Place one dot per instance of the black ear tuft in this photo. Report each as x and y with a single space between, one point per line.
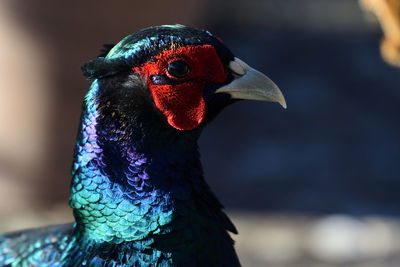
106 48
101 67
94 68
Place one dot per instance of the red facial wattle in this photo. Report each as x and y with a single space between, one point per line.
182 101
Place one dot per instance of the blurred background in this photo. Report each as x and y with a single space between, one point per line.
314 185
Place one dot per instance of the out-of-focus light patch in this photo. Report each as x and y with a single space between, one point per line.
262 239
34 217
388 15
342 238
286 240
23 93
10 187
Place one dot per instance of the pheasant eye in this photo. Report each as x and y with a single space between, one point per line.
178 69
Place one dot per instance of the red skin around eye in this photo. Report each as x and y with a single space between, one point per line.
183 104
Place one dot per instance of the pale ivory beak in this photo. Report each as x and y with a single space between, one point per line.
251 84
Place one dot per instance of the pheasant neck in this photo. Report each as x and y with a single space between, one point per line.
127 190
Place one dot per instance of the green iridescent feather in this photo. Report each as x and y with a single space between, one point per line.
137 191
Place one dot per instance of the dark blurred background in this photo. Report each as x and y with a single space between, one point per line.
314 185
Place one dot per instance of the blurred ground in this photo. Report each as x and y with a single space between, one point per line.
283 174
284 240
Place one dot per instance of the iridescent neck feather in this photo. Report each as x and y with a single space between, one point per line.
121 189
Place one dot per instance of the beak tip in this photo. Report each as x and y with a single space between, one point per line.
281 99
283 103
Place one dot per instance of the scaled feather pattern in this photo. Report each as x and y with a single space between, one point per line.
138 193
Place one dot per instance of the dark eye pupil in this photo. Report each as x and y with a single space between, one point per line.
178 69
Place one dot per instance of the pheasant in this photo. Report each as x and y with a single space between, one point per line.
138 194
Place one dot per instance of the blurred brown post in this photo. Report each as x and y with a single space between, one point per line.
388 14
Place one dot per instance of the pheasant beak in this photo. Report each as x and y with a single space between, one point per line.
251 84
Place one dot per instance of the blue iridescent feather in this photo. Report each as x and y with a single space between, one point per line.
138 193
